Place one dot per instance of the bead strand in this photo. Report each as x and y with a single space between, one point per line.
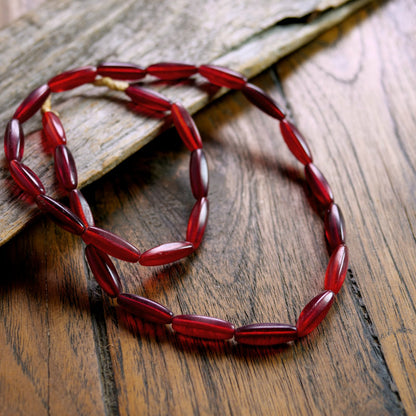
100 244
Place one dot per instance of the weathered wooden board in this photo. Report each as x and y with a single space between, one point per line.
61 35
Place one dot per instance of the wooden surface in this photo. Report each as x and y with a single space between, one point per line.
65 349
246 39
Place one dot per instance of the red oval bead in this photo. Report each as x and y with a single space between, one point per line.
65 168
295 142
262 101
166 253
121 71
53 129
145 309
318 184
334 226
198 172
72 78
265 334
197 326
32 103
148 99
60 214
103 270
111 244
223 77
186 127
314 312
26 179
172 70
197 222
337 269
14 140
80 207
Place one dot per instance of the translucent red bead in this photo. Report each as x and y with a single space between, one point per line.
197 326
53 129
314 312
26 179
66 171
265 334
262 101
80 207
197 222
198 172
166 253
334 226
171 70
72 78
148 99
186 127
14 141
121 71
223 77
337 269
32 103
318 184
145 309
295 142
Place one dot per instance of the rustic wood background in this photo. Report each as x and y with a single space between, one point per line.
65 349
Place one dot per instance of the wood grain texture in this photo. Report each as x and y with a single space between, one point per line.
67 350
91 32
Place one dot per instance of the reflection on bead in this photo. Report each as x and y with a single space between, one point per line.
66 171
26 179
197 222
295 142
223 77
265 334
32 103
166 253
80 207
72 78
53 129
198 173
186 127
14 140
318 184
337 269
334 226
148 99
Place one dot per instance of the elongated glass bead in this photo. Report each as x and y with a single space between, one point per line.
148 99
53 129
32 103
171 70
314 312
121 70
26 179
65 168
337 269
197 326
265 334
80 207
198 173
197 222
334 226
318 184
186 127
295 142
60 214
111 244
103 270
72 78
166 253
14 140
145 309
262 101
223 77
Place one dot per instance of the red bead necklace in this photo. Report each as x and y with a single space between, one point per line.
100 244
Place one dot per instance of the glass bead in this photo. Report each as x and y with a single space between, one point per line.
32 103
318 184
66 171
172 70
111 244
60 214
166 253
334 226
198 173
262 101
265 334
145 309
314 312
186 127
14 140
80 207
26 179
197 222
72 78
295 142
223 77
53 129
148 99
337 269
205 327
103 270
121 71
